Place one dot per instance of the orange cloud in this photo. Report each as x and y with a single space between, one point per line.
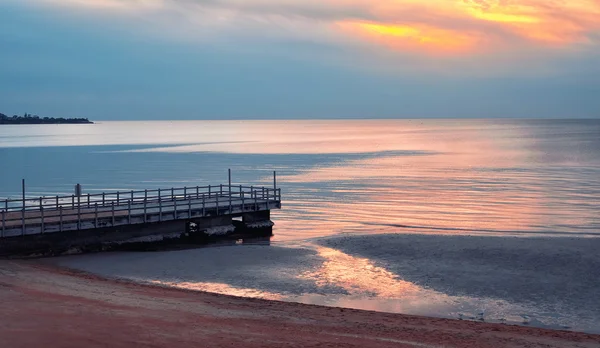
436 27
549 21
456 26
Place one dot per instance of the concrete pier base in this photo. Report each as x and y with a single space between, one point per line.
257 223
149 236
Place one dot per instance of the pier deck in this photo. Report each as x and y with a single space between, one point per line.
95 211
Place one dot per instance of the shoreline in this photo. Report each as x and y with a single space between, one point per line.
51 306
537 282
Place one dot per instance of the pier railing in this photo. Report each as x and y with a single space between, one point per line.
73 212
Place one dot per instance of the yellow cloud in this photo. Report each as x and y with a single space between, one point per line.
414 36
549 21
460 26
502 17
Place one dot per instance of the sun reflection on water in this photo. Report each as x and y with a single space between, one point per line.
357 275
220 288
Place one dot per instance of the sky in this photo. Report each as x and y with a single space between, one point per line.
288 59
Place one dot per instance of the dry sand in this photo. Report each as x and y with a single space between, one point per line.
43 306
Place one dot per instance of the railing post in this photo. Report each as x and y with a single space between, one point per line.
72 201
42 215
88 200
185 192
229 186
221 189
145 205
23 219
96 214
23 211
159 206
129 212
255 201
175 210
203 205
78 212
209 186
60 219
103 198
197 192
190 207
117 198
131 196
172 193
56 202
112 208
217 205
242 195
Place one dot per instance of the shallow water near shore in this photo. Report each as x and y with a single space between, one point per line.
360 199
543 282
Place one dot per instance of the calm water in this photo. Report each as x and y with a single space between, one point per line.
496 178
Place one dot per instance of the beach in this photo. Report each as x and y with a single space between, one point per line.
43 305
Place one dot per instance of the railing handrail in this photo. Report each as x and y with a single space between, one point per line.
168 192
140 191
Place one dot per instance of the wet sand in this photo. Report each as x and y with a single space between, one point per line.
46 306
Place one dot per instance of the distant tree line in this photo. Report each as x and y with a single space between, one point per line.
35 119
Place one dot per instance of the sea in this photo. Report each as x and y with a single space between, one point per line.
488 220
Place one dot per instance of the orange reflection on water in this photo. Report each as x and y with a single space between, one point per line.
260 137
422 194
468 180
288 137
221 288
441 176
357 275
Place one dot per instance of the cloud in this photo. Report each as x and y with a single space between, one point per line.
481 35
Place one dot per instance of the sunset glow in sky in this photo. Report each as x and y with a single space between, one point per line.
486 25
312 55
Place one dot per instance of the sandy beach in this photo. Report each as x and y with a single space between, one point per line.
47 306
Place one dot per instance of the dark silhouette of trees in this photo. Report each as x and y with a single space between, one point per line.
35 119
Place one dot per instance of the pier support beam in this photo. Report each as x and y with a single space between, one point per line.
257 223
209 228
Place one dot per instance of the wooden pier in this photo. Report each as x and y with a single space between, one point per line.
116 217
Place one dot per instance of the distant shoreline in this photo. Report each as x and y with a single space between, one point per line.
29 119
